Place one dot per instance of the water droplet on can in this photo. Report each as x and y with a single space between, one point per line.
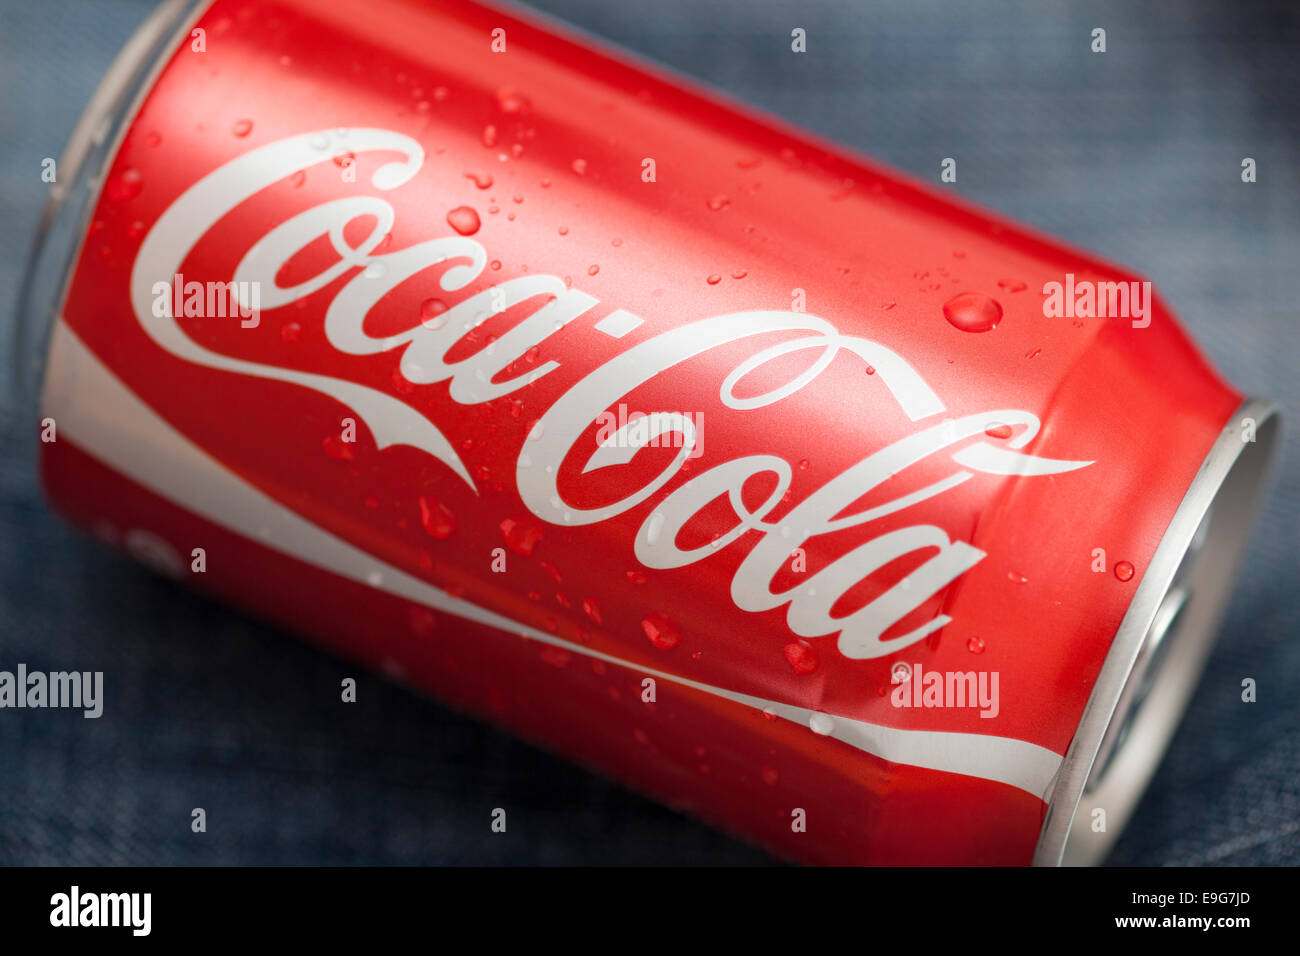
464 220
436 518
125 185
337 448
801 657
431 314
972 312
522 535
511 101
823 724
661 631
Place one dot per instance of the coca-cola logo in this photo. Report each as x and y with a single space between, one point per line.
557 435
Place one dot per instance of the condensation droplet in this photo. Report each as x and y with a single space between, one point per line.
521 535
801 657
436 518
337 448
661 631
464 220
823 724
431 314
126 185
972 312
512 102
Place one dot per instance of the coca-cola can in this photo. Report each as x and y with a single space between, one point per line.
860 521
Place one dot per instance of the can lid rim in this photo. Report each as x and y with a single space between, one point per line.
1232 477
94 142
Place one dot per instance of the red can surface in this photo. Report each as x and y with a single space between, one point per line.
869 525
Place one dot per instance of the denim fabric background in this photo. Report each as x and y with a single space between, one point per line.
1135 153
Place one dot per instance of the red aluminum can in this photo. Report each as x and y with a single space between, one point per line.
862 522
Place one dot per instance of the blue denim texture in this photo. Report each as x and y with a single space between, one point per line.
1134 153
